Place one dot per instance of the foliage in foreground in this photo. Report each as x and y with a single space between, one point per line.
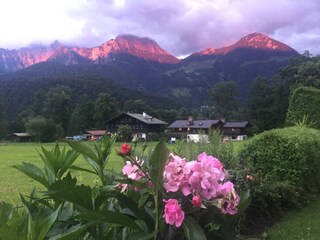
140 208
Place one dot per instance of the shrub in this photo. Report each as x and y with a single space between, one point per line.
284 167
124 133
153 136
304 107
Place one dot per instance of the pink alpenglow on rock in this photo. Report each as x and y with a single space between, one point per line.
125 149
173 213
196 201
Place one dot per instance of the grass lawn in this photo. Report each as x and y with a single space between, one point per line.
301 224
14 182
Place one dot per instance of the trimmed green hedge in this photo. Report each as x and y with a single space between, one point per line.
285 165
304 103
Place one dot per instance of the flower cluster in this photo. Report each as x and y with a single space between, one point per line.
203 180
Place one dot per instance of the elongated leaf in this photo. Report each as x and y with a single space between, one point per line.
141 236
245 200
84 149
109 217
192 229
67 190
157 162
80 169
33 172
45 224
6 211
72 232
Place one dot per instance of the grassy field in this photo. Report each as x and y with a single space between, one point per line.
13 182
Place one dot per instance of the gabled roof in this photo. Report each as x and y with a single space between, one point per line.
146 118
21 134
199 124
97 132
236 124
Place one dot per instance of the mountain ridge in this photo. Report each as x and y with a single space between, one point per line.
142 48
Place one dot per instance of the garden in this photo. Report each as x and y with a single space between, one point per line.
264 188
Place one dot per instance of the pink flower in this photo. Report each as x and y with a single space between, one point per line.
230 201
173 213
174 174
205 176
196 201
125 149
132 171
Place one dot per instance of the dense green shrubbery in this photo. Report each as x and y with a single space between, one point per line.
304 106
284 165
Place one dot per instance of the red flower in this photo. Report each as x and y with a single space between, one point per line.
125 149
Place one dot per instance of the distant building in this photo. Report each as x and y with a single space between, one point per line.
20 137
236 130
181 128
141 124
94 134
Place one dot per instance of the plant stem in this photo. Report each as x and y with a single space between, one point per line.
156 207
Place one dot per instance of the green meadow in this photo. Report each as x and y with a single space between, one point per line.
14 182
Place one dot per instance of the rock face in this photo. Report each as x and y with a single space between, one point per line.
254 41
142 48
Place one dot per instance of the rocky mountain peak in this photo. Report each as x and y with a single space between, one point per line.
255 40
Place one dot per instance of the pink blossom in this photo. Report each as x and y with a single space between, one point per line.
205 176
196 201
173 213
230 201
174 175
132 171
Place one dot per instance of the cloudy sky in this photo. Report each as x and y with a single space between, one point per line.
179 26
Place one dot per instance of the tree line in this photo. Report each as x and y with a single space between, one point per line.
56 112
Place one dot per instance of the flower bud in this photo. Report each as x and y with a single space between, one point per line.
196 201
125 149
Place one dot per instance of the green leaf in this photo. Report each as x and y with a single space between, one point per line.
33 172
141 236
84 149
6 211
67 190
109 217
245 200
157 163
81 169
39 225
192 229
72 232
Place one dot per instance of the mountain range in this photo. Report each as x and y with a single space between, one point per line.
140 64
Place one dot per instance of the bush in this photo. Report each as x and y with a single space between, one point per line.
124 133
304 107
153 136
44 130
285 166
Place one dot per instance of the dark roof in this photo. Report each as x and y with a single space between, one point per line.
199 124
146 118
143 118
236 124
